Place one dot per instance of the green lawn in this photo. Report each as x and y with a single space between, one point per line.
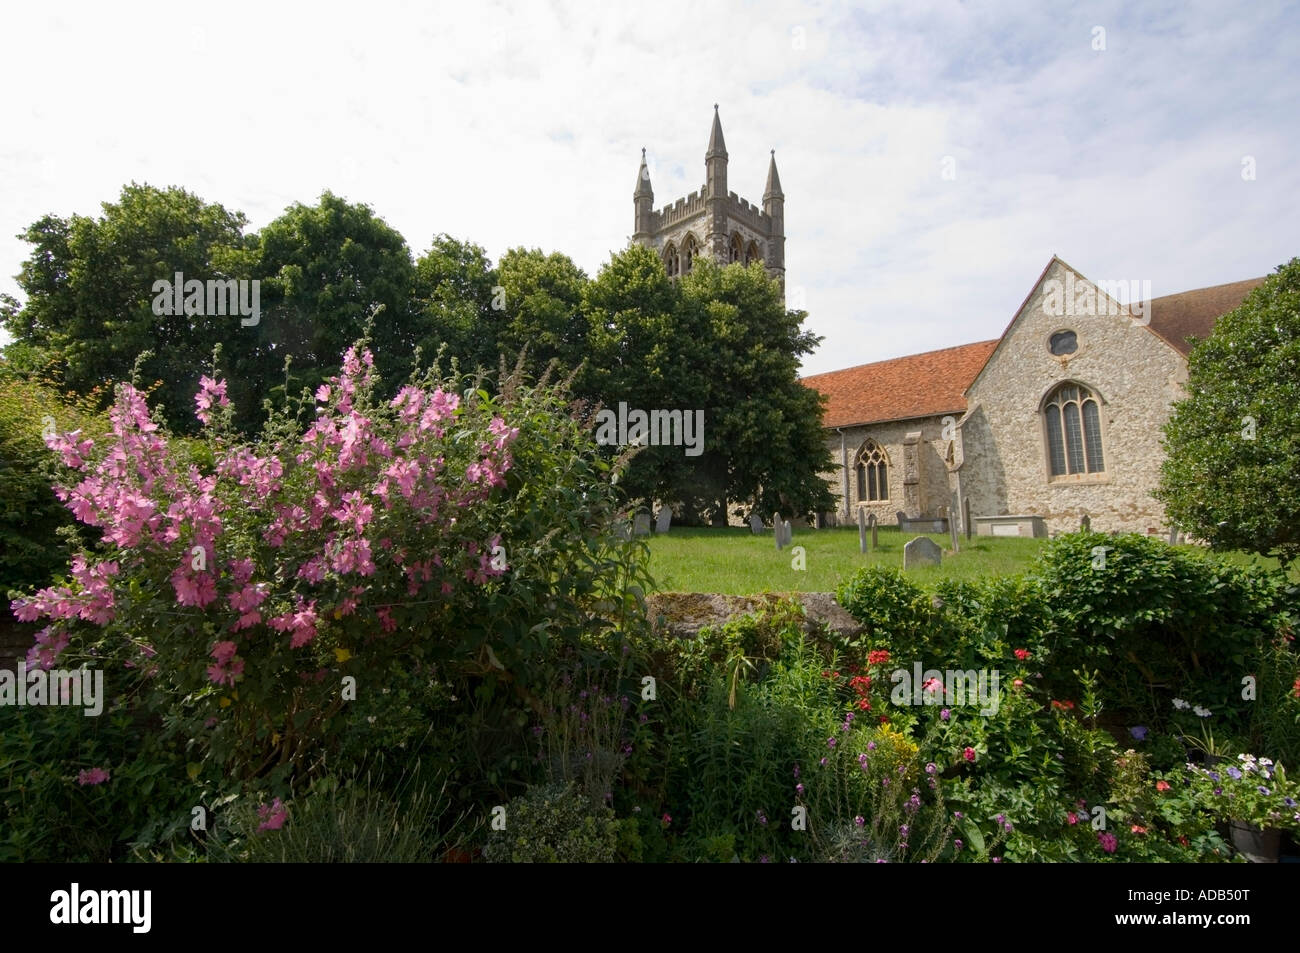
736 562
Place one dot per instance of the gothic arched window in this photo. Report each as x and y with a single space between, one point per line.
737 248
690 248
671 263
873 472
752 253
1072 420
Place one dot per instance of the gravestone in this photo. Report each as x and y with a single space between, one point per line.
1085 524
871 523
862 530
641 527
965 518
787 533
1173 535
755 524
952 524
921 551
776 530
902 521
663 520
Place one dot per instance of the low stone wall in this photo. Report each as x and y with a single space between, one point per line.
683 614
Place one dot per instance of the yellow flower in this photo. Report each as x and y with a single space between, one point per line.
225 701
342 655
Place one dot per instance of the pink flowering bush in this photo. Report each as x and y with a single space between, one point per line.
244 592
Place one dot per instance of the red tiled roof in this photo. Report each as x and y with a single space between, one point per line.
920 385
1176 317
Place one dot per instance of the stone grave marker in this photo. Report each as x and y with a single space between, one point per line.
1173 535
664 520
755 524
952 523
641 527
787 532
862 530
921 551
965 518
776 530
871 524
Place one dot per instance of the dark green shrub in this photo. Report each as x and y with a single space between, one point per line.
553 823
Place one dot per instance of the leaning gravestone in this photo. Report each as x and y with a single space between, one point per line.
642 525
663 520
755 524
862 530
921 551
871 524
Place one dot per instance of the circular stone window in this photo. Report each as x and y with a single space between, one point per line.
1063 343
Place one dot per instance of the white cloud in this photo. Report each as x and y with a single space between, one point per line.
522 124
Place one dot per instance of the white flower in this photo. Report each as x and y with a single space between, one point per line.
1180 704
1200 712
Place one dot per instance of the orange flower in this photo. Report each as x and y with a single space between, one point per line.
1138 829
1162 785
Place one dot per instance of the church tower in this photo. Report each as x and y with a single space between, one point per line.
713 221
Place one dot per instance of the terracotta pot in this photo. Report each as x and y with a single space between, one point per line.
1259 846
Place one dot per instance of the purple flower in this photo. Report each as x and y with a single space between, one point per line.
762 818
830 742
822 762
764 859
957 815
859 820
1140 732
796 770
1264 791
957 843
902 830
1234 774
798 789
997 860
931 768
871 746
1289 801
944 714
1213 775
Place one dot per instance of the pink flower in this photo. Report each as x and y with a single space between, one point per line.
92 776
1109 842
1072 818
209 391
969 754
273 816
1022 654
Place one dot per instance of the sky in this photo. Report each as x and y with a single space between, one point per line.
934 155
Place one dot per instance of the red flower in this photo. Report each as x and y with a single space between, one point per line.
1296 688
666 819
884 719
878 657
1072 818
969 754
1138 829
1063 706
1162 785
864 705
1022 654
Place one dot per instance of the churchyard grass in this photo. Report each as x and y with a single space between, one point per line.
734 561
737 562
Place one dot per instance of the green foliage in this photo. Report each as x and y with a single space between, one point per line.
325 269
47 816
359 820
89 287
554 823
1231 473
31 549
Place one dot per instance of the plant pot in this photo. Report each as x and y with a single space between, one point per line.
1259 846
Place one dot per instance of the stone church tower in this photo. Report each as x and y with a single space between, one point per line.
714 221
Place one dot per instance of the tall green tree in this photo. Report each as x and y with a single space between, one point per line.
458 302
1231 474
543 308
89 284
765 447
326 268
